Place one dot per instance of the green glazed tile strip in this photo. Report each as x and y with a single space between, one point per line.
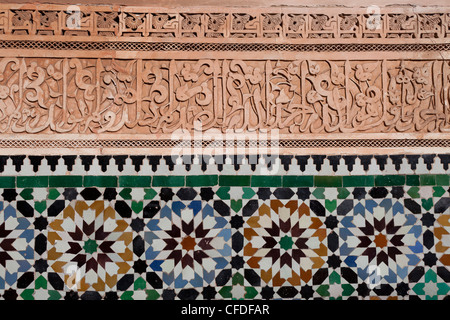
427 180
358 181
264 181
135 181
100 181
234 181
390 180
65 181
32 181
298 181
168 181
442 180
202 181
328 181
412 180
7 182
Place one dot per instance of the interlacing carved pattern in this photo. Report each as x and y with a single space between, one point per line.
259 23
86 95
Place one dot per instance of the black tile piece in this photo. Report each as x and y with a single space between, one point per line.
204 162
416 274
318 161
291 292
151 209
381 161
441 205
71 295
302 161
110 194
154 280
236 222
237 241
137 224
221 207
334 261
52 161
220 161
168 294
139 266
286 161
170 162
444 273
123 209
223 277
35 162
56 207
320 276
103 161
111 296
412 206
209 293
90 193
359 193
136 161
378 192
70 194
25 208
86 161
303 193
3 160
345 207
187 161
125 282
166 194
397 192
333 240
397 160
428 239
365 161
41 265
349 162
186 193
40 223
55 281
317 208
267 293
283 193
9 195
206 193
120 161
349 275
363 290
383 289
445 160
428 159
264 193
17 161
331 222
237 262
252 277
188 294
402 289
250 207
69 161
10 294
138 246
430 259
428 219
252 160
91 295
334 162
237 160
25 280
306 291
40 243
412 160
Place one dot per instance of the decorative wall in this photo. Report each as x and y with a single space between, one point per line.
224 153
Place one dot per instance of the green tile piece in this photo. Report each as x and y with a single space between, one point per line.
53 194
342 193
442 180
223 193
135 181
137 206
239 181
438 191
358 181
248 193
40 206
125 193
298 181
236 205
168 181
330 205
266 181
40 282
414 192
202 181
152 295
32 182
149 194
390 180
100 181
27 294
26 194
318 193
54 295
328 181
427 180
412 180
7 182
427 204
65 181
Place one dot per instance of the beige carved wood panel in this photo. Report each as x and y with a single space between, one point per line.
310 80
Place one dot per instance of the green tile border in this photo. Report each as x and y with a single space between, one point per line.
274 181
